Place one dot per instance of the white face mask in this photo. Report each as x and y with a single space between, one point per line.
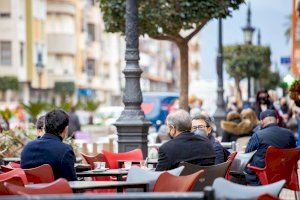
200 132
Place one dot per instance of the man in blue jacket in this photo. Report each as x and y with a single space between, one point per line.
202 125
270 135
50 149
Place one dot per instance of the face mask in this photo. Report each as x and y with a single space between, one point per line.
263 100
297 103
200 132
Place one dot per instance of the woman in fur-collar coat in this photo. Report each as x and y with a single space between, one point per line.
235 126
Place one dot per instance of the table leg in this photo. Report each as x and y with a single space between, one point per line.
119 178
119 189
146 188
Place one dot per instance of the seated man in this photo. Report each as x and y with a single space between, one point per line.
49 149
270 135
40 123
185 146
202 125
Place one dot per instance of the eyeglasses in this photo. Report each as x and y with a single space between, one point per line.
199 127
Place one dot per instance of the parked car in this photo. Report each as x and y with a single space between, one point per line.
156 106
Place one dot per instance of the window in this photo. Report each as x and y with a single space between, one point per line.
5 53
21 53
90 67
5 8
91 32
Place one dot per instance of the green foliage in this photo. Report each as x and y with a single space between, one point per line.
6 114
91 105
80 105
13 141
34 109
165 19
166 16
9 83
66 106
247 60
64 87
272 80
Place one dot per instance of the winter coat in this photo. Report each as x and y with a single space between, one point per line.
234 127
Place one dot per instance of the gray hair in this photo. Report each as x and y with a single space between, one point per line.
208 120
181 120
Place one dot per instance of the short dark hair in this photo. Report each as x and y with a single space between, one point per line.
40 123
56 121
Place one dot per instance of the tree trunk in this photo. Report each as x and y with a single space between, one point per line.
184 75
91 119
239 91
7 123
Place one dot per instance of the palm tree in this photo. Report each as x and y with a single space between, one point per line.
91 106
34 109
288 26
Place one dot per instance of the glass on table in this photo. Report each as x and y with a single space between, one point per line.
127 164
143 164
99 165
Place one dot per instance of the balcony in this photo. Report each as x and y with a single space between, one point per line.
61 44
61 8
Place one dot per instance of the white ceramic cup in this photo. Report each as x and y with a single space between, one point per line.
100 165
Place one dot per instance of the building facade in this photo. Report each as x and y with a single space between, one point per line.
45 42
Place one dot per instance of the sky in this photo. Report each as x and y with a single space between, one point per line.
270 16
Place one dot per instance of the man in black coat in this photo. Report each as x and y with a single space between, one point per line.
270 135
49 149
185 146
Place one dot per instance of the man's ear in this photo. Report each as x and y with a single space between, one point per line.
210 129
66 129
65 132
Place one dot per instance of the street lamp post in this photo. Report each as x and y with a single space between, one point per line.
248 34
132 126
220 113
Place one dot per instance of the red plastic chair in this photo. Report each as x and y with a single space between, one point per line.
14 173
91 159
16 176
112 158
167 182
60 186
267 197
10 166
41 174
6 168
230 158
15 164
280 164
14 180
98 158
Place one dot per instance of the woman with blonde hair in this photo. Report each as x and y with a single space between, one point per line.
249 114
